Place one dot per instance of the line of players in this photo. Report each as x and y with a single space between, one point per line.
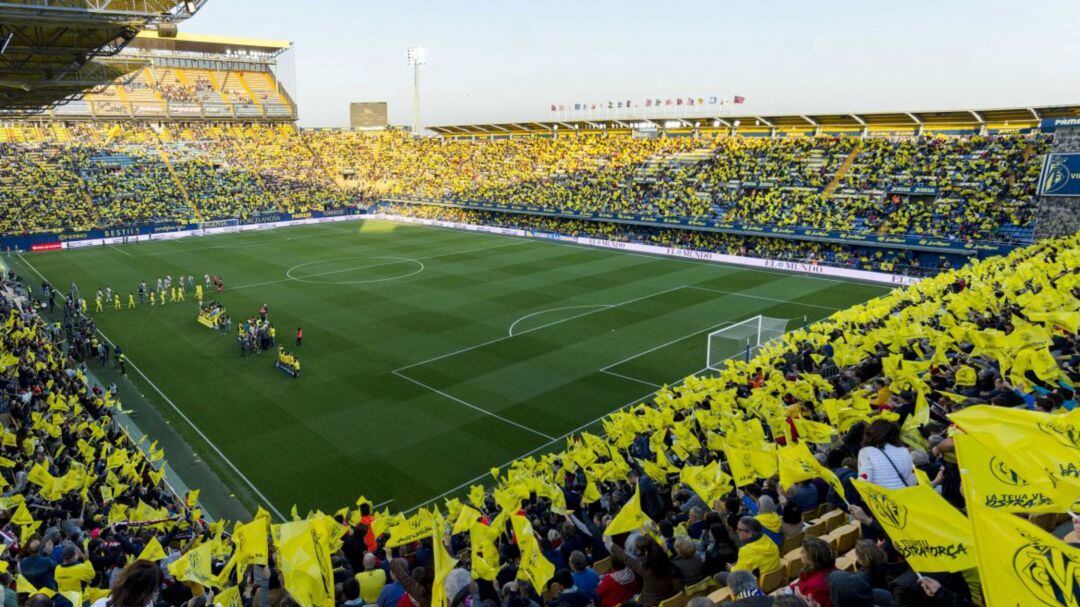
166 291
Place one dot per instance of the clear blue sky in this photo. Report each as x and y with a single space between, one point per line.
508 60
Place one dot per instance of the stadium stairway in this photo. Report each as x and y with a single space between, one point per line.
841 171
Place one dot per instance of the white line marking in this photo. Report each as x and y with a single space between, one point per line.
644 352
472 406
381 504
537 328
634 379
180 413
763 298
514 324
115 248
698 262
396 260
547 444
378 265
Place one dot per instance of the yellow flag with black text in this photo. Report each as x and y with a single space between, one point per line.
924 528
194 566
252 544
989 479
1032 443
1020 564
305 564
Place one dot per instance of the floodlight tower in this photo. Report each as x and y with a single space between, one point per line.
416 57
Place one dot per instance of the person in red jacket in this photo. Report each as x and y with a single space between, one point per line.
819 561
618 585
299 336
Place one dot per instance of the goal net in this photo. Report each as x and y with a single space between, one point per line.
743 339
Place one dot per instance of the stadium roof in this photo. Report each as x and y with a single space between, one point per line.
207 43
52 51
1024 117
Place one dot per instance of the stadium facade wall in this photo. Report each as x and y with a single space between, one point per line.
1060 215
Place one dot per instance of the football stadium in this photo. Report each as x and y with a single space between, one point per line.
649 351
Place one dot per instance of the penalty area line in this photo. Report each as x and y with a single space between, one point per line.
474 407
205 438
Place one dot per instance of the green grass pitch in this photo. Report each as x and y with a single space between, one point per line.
430 355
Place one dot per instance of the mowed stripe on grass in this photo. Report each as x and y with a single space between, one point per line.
351 425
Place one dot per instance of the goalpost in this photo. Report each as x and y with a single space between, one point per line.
743 338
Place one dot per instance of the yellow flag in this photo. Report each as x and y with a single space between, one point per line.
748 465
230 597
630 517
252 544
1020 564
23 586
22 516
192 498
798 464
467 517
709 482
152 552
814 432
305 564
534 566
444 563
410 530
591 494
194 566
1032 443
990 480
484 554
925 529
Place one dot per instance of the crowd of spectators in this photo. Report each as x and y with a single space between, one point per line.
954 188
971 187
86 518
105 175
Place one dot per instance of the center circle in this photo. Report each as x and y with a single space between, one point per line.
414 267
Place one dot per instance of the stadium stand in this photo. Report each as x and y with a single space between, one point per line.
993 342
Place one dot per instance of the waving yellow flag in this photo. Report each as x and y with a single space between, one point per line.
931 534
305 564
1032 443
444 563
1020 564
798 464
630 517
194 566
152 551
990 480
748 465
252 544
411 529
534 565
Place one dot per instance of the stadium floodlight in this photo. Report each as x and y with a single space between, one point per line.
416 57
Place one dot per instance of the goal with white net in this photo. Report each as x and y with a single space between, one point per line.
743 339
